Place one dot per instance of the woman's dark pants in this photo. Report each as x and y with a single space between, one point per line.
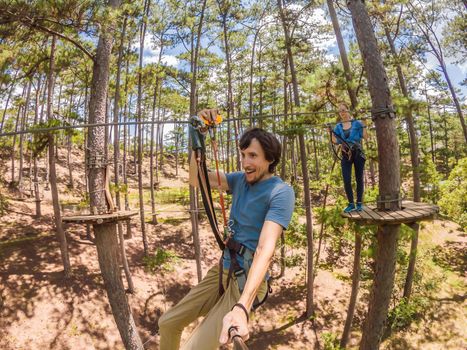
359 163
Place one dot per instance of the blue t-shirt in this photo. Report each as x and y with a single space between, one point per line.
270 199
355 134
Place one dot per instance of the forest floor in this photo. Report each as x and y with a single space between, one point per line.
39 309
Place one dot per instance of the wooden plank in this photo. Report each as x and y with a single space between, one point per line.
418 205
406 215
385 216
373 214
364 215
102 217
418 208
411 213
415 214
397 216
421 212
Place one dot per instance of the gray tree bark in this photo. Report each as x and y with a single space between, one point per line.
52 170
106 234
116 116
140 128
193 110
303 162
389 180
415 159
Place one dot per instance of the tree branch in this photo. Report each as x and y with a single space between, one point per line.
30 23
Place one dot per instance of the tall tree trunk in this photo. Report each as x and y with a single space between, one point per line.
414 156
260 56
354 291
8 100
306 181
116 117
250 86
412 259
454 98
106 234
284 157
37 195
13 151
430 126
68 141
157 97
126 138
230 101
321 230
343 54
313 138
140 128
285 124
24 122
433 42
52 171
389 179
86 167
193 109
151 156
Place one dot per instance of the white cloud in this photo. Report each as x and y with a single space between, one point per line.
170 60
151 54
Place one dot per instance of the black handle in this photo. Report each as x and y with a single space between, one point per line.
238 343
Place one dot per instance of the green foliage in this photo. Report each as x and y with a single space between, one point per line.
77 137
162 260
294 260
120 188
169 195
331 216
406 312
330 341
453 194
430 178
3 205
296 233
41 139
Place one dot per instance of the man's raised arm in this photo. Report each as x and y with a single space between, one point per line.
209 114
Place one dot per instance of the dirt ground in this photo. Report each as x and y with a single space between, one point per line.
41 310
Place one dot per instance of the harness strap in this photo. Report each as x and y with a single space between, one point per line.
237 249
205 190
225 240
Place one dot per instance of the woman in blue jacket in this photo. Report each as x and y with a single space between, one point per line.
349 133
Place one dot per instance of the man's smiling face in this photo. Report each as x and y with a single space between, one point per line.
254 163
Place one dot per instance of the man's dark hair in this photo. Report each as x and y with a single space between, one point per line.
270 144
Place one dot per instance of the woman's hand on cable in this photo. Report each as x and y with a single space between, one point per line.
236 319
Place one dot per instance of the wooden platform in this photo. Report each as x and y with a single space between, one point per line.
411 212
100 219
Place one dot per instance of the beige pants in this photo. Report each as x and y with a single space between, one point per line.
202 300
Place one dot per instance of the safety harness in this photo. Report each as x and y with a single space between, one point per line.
201 126
346 148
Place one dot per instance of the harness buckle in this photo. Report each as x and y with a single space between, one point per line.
239 273
242 250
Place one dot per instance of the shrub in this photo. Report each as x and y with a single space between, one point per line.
3 205
453 201
161 260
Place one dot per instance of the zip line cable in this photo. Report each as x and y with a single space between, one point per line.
81 126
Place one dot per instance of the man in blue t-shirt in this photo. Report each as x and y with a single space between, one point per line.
262 206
